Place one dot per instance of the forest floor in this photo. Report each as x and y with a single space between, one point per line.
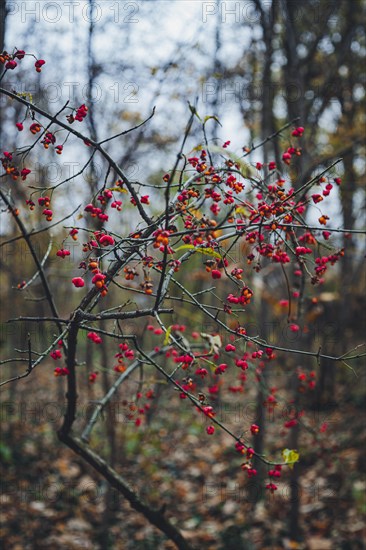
52 500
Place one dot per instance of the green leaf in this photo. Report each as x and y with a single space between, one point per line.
194 111
5 452
212 365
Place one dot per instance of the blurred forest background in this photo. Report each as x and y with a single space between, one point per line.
255 66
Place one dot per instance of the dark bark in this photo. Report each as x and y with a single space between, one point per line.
109 503
156 517
3 15
261 413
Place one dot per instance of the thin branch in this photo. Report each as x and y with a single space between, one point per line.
259 343
159 295
85 139
155 517
35 257
36 362
130 129
120 315
108 396
37 273
269 138
54 118
201 407
14 360
31 233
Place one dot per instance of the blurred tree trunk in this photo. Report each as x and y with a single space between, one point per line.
3 14
108 517
257 483
267 22
217 72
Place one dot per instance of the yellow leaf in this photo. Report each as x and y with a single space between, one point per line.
290 456
242 210
26 95
167 336
118 189
206 251
196 213
213 117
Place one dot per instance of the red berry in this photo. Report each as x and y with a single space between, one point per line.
11 64
230 347
216 274
78 282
